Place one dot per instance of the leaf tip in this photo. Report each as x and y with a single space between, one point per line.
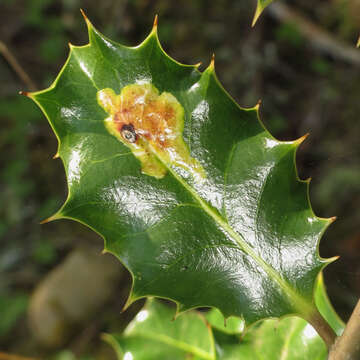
25 93
258 11
212 62
332 219
56 156
358 43
51 218
198 65
88 23
332 259
257 106
211 67
83 14
155 24
300 140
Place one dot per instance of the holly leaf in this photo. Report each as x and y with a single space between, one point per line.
261 5
289 338
152 335
189 190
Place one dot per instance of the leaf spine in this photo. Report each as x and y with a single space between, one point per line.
257 106
301 139
332 219
257 14
212 62
51 218
88 23
155 24
84 15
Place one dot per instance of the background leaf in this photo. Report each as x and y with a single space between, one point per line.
289 338
152 335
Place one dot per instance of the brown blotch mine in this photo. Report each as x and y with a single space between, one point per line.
151 125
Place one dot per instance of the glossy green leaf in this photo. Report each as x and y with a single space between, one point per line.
154 334
189 190
232 325
290 338
261 5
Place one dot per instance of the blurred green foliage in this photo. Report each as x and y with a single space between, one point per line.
44 252
12 306
290 34
321 66
14 143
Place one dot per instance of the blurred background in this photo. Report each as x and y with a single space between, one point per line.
300 59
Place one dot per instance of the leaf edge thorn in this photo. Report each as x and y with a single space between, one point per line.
301 139
258 12
51 218
155 23
25 93
211 67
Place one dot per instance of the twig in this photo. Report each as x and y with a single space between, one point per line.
347 346
10 58
317 36
6 356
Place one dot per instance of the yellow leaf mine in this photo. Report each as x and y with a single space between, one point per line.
151 125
